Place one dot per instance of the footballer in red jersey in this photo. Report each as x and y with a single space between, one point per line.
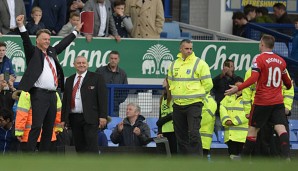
269 71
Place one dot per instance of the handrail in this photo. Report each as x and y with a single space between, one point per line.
215 35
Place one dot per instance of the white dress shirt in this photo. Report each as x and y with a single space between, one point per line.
78 100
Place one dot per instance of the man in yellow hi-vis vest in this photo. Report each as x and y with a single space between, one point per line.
190 80
23 121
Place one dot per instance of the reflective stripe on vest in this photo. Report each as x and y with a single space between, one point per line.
288 96
246 102
206 135
225 117
209 111
236 128
28 126
19 130
22 109
238 120
234 108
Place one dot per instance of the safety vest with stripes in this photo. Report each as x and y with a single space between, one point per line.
189 80
23 121
208 120
231 108
165 110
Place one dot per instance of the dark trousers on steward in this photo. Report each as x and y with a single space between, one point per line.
187 123
44 109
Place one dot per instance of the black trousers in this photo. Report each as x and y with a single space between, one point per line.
187 123
85 135
234 148
172 141
44 109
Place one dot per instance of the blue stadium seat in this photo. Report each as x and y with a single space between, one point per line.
293 137
114 121
171 30
293 125
214 138
152 124
153 134
221 135
108 133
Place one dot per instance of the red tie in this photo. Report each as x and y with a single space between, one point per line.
53 69
74 91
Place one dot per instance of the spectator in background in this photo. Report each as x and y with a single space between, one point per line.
221 83
113 74
35 24
7 78
294 53
147 18
54 14
239 24
103 20
9 10
165 122
122 22
250 12
5 62
74 6
281 14
68 28
132 131
262 15
8 142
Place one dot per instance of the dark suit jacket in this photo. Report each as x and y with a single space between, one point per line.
35 60
5 15
94 98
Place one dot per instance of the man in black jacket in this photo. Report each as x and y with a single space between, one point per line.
84 106
42 78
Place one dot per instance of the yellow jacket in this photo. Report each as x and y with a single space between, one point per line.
208 120
231 108
189 80
249 94
23 121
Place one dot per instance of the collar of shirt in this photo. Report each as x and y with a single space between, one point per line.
110 69
83 75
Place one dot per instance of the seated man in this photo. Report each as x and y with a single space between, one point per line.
132 131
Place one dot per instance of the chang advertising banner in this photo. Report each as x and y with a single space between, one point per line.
140 58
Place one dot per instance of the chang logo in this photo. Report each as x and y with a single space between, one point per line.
16 55
156 60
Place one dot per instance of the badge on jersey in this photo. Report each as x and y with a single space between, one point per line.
188 71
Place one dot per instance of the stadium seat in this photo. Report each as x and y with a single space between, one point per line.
221 135
171 30
153 134
214 138
114 121
152 124
108 133
293 125
293 138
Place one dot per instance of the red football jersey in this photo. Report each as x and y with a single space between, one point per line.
269 85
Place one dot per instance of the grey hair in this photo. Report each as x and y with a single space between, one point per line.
138 108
